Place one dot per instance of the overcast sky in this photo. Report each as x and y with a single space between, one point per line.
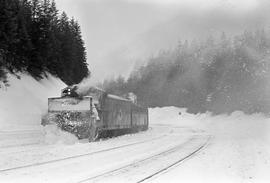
120 33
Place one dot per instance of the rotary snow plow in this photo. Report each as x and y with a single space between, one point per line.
73 113
95 113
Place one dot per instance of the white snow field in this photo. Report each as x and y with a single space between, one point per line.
21 106
239 150
176 148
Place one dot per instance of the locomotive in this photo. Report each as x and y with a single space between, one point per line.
94 113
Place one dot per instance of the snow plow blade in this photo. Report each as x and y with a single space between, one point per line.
73 115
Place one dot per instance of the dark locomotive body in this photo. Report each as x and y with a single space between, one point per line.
94 113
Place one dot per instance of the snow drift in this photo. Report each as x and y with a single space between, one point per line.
235 125
25 100
22 105
238 152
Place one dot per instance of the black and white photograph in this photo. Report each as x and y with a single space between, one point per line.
134 91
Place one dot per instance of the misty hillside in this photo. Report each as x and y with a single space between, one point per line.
121 38
35 39
221 74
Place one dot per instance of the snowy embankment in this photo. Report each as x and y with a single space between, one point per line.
238 152
25 100
22 105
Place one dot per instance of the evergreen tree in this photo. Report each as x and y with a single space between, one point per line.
34 39
220 76
8 33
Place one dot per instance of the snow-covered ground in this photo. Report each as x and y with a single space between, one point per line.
238 150
81 161
25 100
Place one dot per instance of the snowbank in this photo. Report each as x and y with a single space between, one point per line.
235 125
175 116
238 152
22 105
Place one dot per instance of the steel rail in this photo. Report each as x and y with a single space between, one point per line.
81 155
169 151
176 163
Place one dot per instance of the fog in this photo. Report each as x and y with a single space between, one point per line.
120 35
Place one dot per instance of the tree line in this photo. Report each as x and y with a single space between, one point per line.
36 39
221 74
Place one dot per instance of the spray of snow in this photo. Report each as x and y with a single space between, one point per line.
23 104
55 135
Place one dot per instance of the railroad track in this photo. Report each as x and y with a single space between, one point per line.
176 163
19 138
81 155
27 145
129 169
